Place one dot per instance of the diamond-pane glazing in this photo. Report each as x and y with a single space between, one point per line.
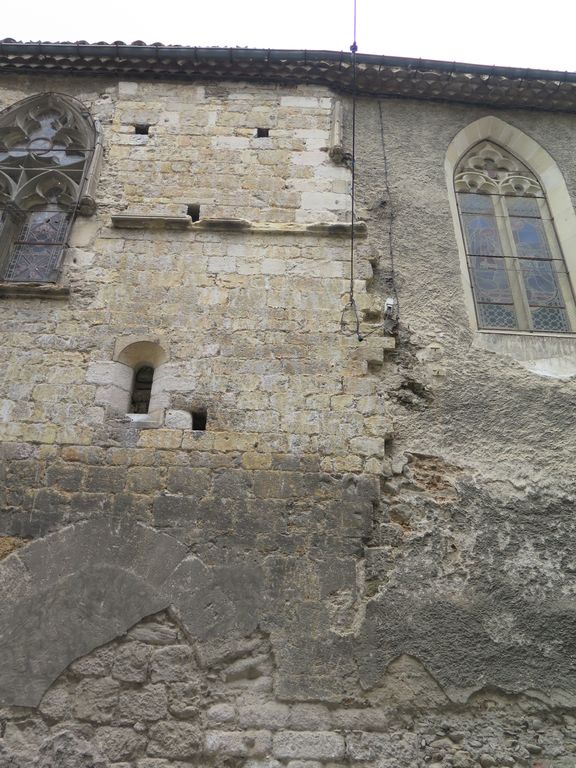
496 316
550 319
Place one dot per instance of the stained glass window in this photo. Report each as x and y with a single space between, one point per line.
517 271
46 144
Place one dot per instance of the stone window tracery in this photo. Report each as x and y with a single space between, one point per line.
48 151
517 270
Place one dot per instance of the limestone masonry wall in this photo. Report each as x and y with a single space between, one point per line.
366 557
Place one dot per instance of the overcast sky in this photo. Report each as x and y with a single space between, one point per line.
517 33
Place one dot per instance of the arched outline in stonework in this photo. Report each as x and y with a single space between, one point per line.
542 165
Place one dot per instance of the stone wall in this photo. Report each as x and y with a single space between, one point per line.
366 557
154 700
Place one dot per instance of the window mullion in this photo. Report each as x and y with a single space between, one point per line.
513 266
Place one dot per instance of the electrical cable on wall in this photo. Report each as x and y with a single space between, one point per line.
392 304
350 318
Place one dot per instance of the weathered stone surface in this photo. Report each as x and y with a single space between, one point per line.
172 664
318 745
66 750
121 579
174 740
131 663
120 743
148 703
238 743
96 700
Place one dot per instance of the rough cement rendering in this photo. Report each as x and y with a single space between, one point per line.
365 559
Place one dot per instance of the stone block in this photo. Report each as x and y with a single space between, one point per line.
131 663
178 419
154 633
160 438
174 740
97 664
185 699
360 719
311 745
57 703
143 480
96 700
308 717
120 743
269 715
188 480
238 743
172 663
221 713
149 703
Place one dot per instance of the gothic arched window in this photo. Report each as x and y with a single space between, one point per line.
47 153
517 271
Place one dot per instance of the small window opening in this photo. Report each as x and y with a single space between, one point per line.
142 129
142 389
199 419
193 210
262 133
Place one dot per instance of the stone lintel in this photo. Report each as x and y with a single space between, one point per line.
156 221
34 291
150 221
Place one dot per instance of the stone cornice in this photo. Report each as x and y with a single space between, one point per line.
377 76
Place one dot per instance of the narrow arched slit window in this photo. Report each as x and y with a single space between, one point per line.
142 389
517 270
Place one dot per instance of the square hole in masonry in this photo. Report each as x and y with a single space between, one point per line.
199 419
262 133
193 210
142 129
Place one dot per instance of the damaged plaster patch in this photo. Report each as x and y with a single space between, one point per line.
407 682
545 356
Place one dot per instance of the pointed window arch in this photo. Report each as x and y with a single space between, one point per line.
49 151
518 276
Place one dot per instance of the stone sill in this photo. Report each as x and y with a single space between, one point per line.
150 221
144 420
153 221
34 291
526 334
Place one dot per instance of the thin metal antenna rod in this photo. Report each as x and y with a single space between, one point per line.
351 308
353 49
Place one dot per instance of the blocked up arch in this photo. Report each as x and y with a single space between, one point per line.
517 156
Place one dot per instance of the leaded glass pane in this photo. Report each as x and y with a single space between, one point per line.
47 138
490 280
481 233
517 272
541 284
530 238
36 253
551 319
523 206
475 203
496 316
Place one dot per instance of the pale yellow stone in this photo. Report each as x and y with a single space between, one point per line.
160 438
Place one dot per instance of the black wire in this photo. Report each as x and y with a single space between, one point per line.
351 305
390 215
